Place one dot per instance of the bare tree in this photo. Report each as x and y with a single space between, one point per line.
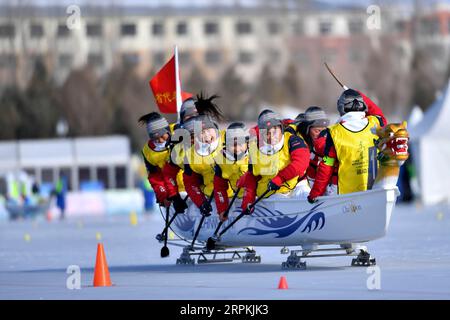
384 78
42 111
268 90
233 92
196 81
83 104
128 97
291 84
11 101
423 80
33 112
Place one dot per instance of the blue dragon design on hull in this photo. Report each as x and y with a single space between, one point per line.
184 223
273 222
283 225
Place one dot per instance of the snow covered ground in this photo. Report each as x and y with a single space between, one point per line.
414 260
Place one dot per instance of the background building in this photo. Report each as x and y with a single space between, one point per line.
212 38
106 160
270 53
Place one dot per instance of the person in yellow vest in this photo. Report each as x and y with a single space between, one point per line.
199 165
183 138
278 160
14 193
156 154
350 145
231 165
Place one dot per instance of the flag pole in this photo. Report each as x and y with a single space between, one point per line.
177 85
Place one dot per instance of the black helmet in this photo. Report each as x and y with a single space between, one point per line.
299 118
351 100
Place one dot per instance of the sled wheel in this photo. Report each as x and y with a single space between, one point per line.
178 261
283 265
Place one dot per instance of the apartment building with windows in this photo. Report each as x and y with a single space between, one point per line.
211 38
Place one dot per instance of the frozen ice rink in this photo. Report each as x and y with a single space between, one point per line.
414 261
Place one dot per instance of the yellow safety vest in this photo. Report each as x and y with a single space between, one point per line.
178 154
352 149
268 166
15 190
204 166
293 127
232 170
156 158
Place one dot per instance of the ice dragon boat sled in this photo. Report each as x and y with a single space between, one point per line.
353 218
343 221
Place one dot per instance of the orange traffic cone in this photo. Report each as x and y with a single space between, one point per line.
101 272
283 283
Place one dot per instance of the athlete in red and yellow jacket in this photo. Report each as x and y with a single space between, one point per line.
231 165
278 158
349 145
310 125
192 111
200 162
156 154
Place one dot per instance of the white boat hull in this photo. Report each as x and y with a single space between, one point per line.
344 219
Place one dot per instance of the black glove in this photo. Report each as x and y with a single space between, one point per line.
205 208
178 203
249 210
272 186
311 200
162 203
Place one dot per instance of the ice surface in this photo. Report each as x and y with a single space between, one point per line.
414 259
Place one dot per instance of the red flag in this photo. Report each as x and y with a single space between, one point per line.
163 86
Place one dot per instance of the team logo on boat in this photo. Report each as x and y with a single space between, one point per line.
285 225
351 208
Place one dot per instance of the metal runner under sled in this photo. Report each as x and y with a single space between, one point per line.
363 260
246 255
294 260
